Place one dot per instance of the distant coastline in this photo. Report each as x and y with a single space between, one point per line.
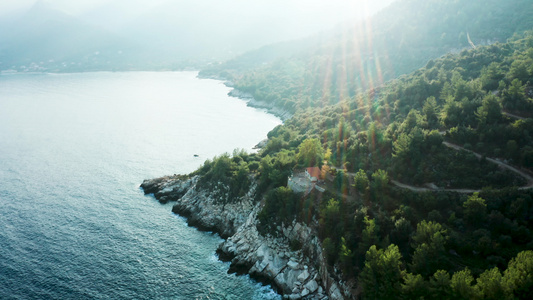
249 98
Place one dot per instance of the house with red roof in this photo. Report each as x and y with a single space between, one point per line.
313 173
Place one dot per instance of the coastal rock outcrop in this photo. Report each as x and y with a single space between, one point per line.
168 188
252 102
271 258
298 272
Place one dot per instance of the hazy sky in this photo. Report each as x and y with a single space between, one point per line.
73 6
196 26
340 7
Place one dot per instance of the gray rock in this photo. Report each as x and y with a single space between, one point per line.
304 293
293 264
295 296
275 265
312 286
303 276
267 256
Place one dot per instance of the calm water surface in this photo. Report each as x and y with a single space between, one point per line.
74 149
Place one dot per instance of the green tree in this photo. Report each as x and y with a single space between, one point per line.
330 220
382 274
400 235
518 278
369 235
361 181
426 231
380 180
490 285
490 111
519 70
475 209
410 122
345 257
451 112
327 155
431 112
310 153
490 76
428 241
514 97
439 285
427 258
415 287
462 287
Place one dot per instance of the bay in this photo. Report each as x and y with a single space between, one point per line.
74 149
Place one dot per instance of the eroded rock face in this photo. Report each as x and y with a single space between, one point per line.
168 188
266 258
270 258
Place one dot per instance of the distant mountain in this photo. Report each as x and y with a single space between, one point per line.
45 38
163 35
400 39
222 29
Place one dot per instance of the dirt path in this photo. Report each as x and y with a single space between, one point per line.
423 189
410 187
513 115
503 165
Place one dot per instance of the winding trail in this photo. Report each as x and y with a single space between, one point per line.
513 115
503 165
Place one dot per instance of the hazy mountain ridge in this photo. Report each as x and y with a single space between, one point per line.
120 35
399 39
47 39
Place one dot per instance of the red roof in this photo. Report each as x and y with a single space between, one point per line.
314 172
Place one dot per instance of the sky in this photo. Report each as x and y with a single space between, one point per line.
199 27
76 7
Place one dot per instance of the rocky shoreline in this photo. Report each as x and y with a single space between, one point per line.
252 102
294 273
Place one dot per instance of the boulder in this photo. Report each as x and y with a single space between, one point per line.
293 265
312 286
305 292
303 276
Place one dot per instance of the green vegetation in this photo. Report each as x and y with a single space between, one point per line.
398 241
443 126
227 177
329 68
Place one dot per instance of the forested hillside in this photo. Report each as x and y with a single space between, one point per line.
428 176
425 128
327 68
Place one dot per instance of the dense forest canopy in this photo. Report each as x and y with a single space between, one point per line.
440 125
427 175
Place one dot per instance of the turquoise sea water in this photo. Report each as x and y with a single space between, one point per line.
74 149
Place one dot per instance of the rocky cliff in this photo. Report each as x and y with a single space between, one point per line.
299 272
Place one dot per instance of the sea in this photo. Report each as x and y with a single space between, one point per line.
74 149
